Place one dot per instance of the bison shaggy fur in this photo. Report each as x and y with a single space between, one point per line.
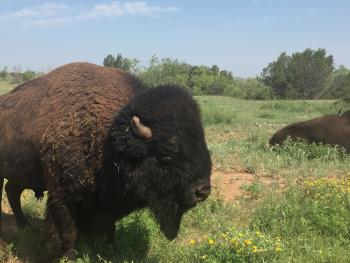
102 146
329 129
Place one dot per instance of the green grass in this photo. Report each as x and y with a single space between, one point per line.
5 86
307 227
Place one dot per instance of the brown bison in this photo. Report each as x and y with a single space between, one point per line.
329 129
102 147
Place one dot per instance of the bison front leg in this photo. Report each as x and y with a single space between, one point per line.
60 226
101 223
13 192
1 186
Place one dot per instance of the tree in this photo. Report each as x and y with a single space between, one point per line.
215 69
310 73
29 75
126 64
109 61
304 75
254 88
275 75
339 87
166 71
4 75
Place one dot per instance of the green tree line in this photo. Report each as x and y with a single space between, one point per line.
310 74
307 75
303 75
200 80
16 76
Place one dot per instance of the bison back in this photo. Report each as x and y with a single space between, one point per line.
65 116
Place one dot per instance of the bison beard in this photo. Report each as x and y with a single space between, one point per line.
168 214
102 148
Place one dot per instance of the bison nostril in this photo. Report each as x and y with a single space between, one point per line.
202 193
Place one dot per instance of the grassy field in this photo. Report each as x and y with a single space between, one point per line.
5 86
282 205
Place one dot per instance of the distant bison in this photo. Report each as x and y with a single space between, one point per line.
102 147
328 129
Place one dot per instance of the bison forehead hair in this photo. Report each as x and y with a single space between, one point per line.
158 147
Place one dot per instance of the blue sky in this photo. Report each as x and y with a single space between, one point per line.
242 36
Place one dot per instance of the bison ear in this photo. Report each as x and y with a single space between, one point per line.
139 129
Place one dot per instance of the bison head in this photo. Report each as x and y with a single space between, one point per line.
278 138
157 142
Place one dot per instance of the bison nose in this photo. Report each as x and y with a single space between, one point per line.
202 192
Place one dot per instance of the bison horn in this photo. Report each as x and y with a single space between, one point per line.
141 130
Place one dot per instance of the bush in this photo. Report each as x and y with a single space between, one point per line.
253 88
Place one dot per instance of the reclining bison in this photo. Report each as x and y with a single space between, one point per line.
102 147
329 129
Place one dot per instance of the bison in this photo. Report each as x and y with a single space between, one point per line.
329 129
102 146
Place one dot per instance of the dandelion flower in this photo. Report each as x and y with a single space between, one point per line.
247 242
211 242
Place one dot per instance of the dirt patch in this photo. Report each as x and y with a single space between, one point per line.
231 186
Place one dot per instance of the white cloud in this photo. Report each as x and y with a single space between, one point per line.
57 14
49 22
127 8
143 8
44 10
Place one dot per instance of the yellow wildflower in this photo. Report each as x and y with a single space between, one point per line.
278 249
247 242
192 242
211 242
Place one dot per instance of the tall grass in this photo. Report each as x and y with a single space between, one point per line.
5 86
